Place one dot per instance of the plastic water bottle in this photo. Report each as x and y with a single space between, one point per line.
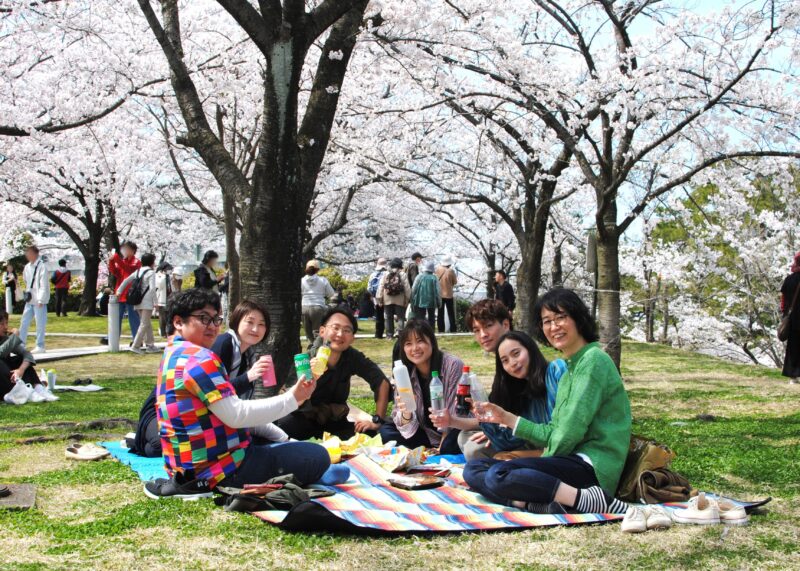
437 395
402 383
479 397
463 394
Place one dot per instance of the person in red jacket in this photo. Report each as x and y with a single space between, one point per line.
61 278
120 265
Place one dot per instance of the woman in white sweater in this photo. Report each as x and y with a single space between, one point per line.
147 279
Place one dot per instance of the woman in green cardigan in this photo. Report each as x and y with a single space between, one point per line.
586 441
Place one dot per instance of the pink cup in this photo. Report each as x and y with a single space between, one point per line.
268 377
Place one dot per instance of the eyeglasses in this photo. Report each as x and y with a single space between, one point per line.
557 321
207 320
342 330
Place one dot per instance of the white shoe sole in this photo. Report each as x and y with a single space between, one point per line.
634 529
678 519
184 497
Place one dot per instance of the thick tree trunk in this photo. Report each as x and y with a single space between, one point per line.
557 272
608 284
231 251
529 279
491 270
89 295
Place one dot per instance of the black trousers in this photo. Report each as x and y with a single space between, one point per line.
299 427
419 313
10 364
447 304
61 301
380 322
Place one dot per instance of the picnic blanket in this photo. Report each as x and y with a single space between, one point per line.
146 468
367 503
79 388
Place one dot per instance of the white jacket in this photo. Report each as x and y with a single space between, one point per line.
315 289
149 283
40 289
162 280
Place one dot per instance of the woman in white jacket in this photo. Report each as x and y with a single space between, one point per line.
147 275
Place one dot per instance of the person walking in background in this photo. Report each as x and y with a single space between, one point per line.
414 268
394 294
176 280
12 283
426 295
447 280
790 290
61 278
372 288
315 290
163 291
503 291
37 296
205 275
141 286
120 265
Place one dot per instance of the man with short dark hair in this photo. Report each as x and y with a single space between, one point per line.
37 296
503 291
413 268
489 320
327 409
61 278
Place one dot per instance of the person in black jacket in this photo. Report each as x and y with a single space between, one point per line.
790 289
327 409
248 326
503 291
205 275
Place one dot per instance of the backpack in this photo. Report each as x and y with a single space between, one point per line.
137 290
374 282
394 284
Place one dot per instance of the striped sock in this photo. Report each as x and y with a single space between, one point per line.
595 500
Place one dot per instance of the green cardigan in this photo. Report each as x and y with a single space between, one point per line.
592 416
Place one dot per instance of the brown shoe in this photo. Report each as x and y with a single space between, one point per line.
514 454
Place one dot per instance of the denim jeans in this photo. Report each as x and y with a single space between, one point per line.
31 311
307 461
527 479
133 318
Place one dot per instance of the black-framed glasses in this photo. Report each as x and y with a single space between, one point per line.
207 320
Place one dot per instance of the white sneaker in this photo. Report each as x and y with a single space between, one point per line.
731 513
38 350
36 394
635 520
701 511
137 350
45 393
657 517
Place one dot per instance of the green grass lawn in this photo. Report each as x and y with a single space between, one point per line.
95 516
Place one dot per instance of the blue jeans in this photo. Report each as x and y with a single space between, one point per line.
307 461
527 479
133 318
33 311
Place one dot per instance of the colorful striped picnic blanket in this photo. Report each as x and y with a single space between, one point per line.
368 502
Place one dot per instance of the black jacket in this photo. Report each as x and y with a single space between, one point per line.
505 293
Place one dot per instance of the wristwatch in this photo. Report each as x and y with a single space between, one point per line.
377 419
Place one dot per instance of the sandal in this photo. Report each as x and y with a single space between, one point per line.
85 452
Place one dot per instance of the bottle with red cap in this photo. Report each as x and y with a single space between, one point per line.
463 394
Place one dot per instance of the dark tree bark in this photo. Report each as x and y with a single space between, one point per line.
275 200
